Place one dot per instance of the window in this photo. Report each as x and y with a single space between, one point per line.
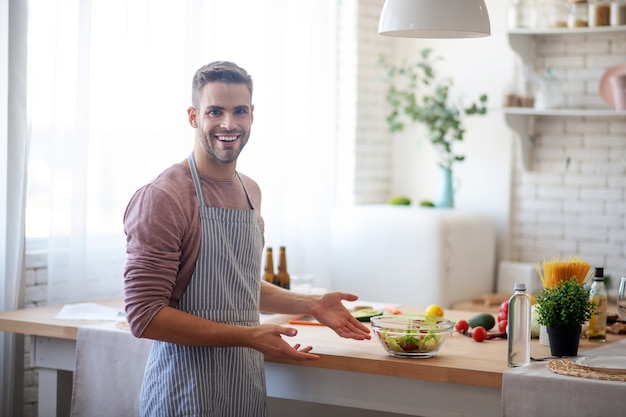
109 85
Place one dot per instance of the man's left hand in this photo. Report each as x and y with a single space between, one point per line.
330 311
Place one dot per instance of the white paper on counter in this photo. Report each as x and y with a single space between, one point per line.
89 311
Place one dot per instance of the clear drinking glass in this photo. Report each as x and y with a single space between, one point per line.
302 283
621 298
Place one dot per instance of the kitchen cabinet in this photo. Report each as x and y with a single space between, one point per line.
522 119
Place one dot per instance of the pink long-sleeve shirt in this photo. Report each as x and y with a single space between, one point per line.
163 235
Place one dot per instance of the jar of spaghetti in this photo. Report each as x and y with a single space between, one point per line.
599 13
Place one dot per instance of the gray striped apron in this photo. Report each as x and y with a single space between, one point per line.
214 381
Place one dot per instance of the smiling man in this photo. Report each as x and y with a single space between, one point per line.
193 275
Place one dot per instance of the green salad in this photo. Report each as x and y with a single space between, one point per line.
412 341
413 336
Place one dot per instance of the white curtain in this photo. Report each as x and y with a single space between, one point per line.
109 85
13 144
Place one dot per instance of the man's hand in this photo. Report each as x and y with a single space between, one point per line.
330 311
268 338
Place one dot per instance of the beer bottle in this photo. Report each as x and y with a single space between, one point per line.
269 275
282 276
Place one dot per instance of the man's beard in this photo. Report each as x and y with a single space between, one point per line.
224 156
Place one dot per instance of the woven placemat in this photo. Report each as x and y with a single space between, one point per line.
567 367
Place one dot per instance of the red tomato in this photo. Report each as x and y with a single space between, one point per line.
503 315
504 306
479 333
462 326
502 325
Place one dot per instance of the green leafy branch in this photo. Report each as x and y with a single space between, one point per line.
423 98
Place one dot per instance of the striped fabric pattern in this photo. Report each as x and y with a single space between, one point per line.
214 381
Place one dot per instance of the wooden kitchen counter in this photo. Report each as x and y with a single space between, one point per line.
40 321
461 360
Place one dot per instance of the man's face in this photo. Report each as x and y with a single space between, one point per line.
222 120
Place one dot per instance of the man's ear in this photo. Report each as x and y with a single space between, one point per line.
193 117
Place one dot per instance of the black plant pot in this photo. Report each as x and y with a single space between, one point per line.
564 340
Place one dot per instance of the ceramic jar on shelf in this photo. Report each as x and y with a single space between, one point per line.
618 12
523 14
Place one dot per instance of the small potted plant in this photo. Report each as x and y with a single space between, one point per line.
417 94
563 309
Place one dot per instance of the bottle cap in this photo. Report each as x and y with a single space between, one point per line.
599 272
519 286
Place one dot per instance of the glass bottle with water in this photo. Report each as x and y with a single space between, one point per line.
518 327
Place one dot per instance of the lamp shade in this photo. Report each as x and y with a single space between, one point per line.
434 19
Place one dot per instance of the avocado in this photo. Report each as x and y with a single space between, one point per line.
400 201
485 320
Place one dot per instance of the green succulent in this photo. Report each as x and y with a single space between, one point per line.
424 98
565 305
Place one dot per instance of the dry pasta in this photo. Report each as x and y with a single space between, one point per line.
557 271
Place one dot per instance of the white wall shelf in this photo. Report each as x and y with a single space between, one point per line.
522 119
528 111
569 31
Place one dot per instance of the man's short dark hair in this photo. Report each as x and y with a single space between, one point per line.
218 71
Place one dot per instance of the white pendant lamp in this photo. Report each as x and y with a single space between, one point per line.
434 19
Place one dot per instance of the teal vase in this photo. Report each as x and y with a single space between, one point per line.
446 199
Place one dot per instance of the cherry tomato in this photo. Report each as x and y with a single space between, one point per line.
502 325
479 333
503 315
462 326
504 307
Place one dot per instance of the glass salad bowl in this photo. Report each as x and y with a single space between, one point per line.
412 336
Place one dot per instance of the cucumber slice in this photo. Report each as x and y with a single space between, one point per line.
364 314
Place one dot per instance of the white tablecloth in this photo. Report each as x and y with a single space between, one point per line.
534 390
109 371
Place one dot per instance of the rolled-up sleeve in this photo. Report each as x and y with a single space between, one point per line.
154 224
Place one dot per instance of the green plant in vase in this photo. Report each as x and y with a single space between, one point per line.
417 95
563 309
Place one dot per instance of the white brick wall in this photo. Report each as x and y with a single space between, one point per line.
364 167
36 294
576 208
